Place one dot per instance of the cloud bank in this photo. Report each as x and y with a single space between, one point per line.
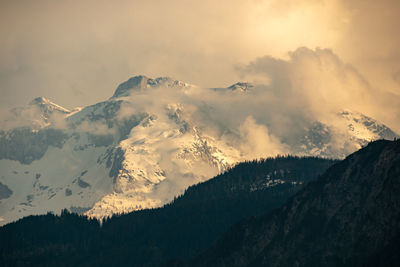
288 98
75 52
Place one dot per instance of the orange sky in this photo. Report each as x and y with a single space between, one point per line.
77 52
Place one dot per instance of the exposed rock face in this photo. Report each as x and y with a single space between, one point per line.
356 130
5 192
241 86
349 217
39 113
26 145
141 83
47 107
357 123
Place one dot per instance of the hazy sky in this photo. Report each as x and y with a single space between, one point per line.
77 52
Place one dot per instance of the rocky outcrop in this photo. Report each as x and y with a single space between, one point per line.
141 83
26 145
5 192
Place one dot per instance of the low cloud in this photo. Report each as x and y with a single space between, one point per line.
257 142
314 81
318 83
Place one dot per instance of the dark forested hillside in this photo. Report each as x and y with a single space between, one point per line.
348 217
179 230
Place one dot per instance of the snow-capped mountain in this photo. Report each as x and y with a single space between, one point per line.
142 83
350 132
144 145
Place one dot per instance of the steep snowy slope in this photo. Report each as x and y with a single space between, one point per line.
161 157
348 131
144 145
39 113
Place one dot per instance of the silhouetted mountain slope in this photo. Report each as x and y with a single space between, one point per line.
181 229
348 217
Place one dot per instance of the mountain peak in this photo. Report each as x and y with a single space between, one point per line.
137 82
237 87
39 100
242 86
47 106
140 83
365 127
